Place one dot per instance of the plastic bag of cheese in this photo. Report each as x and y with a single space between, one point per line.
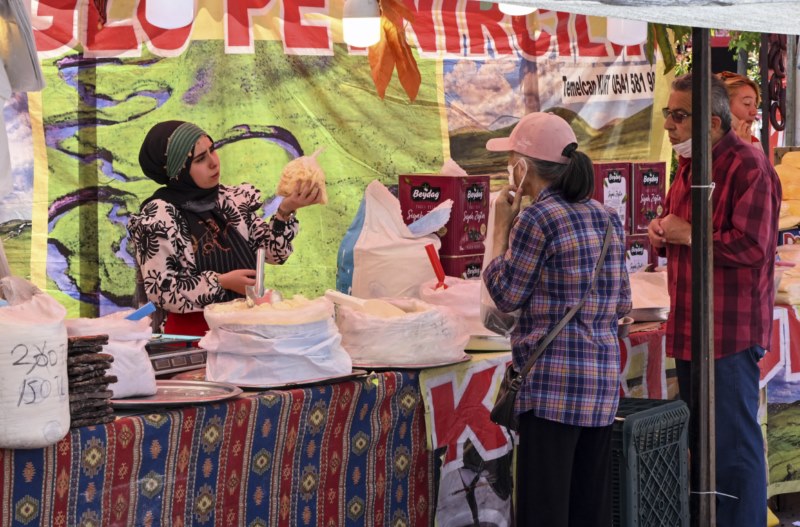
304 168
426 335
292 341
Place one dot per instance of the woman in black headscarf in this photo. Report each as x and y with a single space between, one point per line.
195 240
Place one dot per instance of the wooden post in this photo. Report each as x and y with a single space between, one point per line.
702 437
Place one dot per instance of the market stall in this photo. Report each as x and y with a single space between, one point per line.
260 81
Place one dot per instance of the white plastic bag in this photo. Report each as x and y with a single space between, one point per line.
126 343
494 319
462 297
34 398
381 256
427 334
263 347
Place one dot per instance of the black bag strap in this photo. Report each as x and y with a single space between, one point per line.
557 329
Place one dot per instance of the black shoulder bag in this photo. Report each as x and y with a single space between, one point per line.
503 410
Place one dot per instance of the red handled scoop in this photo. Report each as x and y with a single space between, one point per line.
433 256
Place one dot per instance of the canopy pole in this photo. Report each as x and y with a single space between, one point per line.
790 132
701 430
763 66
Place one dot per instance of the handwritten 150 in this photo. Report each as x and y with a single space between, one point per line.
38 360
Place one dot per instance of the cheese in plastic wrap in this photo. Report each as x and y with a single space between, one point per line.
304 168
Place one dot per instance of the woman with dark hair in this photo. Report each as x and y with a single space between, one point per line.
544 261
195 240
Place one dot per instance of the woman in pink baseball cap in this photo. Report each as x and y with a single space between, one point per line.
543 265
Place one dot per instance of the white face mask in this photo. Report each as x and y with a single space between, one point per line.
511 168
684 149
511 174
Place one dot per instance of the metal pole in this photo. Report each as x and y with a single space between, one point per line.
791 91
701 430
763 66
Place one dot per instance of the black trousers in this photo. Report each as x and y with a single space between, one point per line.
563 474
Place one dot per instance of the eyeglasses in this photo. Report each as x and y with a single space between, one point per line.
677 115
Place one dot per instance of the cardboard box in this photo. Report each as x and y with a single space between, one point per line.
467 266
611 187
638 252
648 191
465 232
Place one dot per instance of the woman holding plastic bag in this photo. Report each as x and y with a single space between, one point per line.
544 265
195 239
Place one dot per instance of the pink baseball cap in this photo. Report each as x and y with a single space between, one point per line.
538 135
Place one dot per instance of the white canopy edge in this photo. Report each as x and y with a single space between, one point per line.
763 16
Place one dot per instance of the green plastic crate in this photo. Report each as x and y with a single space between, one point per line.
650 464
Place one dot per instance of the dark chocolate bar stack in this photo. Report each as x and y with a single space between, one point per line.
89 396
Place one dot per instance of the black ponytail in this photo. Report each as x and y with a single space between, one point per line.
575 180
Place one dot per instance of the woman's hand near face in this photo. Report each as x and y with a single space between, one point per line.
305 193
741 128
237 280
506 208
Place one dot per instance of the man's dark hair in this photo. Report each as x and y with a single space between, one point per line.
720 103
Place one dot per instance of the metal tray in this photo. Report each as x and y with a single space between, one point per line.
174 392
649 314
478 343
201 375
379 366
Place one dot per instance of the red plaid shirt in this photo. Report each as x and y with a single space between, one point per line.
746 203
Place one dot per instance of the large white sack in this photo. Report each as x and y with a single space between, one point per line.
463 297
427 334
261 346
34 391
126 343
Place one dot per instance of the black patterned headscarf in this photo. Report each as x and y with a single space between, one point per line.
165 157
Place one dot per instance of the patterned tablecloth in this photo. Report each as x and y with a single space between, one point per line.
350 453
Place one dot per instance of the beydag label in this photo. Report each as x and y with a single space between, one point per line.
472 271
650 178
425 192
475 193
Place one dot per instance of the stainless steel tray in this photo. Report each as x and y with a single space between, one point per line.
488 343
649 314
173 392
413 366
303 383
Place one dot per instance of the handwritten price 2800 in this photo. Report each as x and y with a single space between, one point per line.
39 357
35 389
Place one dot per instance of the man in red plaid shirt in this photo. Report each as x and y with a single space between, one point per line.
746 200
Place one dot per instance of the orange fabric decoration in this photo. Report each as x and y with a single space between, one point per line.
393 51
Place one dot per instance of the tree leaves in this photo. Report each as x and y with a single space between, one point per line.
658 35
